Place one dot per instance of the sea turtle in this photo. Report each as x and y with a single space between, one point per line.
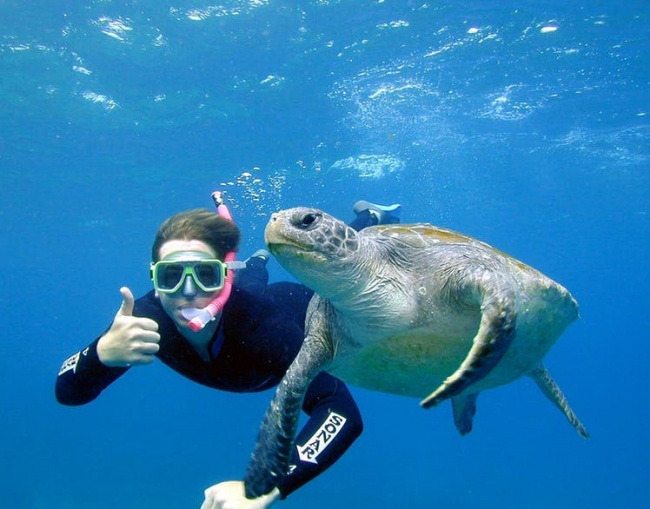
408 309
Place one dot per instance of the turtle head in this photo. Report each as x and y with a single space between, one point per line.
312 246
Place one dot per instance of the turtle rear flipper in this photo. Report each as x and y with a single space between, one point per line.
494 336
464 408
552 391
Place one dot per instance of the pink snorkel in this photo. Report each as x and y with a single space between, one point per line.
199 318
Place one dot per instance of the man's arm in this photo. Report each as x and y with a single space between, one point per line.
83 377
334 423
130 341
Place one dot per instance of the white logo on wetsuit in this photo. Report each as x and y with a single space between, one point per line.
70 363
313 447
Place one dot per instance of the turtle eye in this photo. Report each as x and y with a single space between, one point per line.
308 220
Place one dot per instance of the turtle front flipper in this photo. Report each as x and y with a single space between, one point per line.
269 462
494 336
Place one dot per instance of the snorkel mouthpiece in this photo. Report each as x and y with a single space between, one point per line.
199 318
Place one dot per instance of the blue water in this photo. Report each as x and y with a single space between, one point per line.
525 124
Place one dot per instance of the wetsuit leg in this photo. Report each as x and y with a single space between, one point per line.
363 220
254 277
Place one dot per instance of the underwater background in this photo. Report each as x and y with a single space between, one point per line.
525 124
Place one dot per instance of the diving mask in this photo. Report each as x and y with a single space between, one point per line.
208 274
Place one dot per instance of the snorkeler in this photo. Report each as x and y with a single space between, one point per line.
236 336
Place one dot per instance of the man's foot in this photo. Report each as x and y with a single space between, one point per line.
384 214
261 254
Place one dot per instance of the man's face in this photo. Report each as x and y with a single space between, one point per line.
189 295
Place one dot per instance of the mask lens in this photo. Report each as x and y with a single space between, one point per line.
208 274
170 276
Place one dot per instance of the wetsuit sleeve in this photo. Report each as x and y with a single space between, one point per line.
334 423
83 377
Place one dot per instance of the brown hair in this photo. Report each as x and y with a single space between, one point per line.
216 231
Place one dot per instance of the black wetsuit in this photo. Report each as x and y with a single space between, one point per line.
257 338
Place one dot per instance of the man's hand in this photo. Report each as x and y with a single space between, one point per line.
231 495
131 341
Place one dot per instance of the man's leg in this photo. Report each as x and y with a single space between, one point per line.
371 214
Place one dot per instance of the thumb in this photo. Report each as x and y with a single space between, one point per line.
126 309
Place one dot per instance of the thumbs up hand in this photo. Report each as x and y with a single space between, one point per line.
131 340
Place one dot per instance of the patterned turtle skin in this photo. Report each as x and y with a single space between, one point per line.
414 310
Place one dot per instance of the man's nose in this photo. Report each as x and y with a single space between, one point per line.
189 288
